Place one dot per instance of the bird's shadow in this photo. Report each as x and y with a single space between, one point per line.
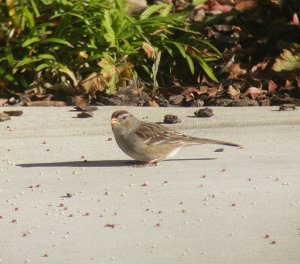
95 163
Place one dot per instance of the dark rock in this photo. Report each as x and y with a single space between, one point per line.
14 112
219 150
197 103
286 107
205 112
176 99
171 119
244 102
84 115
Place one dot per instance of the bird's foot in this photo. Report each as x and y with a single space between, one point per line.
141 164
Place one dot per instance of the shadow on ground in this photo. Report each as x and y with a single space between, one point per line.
95 163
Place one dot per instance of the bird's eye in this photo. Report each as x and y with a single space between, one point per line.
124 117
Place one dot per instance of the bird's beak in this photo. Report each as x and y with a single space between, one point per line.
114 121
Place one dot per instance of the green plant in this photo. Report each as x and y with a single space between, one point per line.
60 43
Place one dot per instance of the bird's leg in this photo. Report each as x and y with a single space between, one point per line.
141 164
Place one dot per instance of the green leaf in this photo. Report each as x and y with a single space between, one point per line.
57 41
47 56
25 62
199 2
288 60
110 33
35 9
29 17
180 48
151 10
42 67
30 41
64 69
191 64
206 69
167 10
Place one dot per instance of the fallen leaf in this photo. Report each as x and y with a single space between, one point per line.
93 83
79 101
242 5
259 67
252 92
235 70
151 103
234 93
216 6
295 20
3 101
149 50
272 86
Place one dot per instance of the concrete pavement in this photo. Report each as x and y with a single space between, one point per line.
236 206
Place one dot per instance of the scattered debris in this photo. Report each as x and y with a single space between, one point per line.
205 112
286 107
14 112
219 150
84 115
110 225
171 119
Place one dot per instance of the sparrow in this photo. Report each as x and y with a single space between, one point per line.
149 142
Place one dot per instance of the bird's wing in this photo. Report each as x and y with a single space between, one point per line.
156 134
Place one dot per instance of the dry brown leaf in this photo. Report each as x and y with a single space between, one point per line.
151 103
189 92
93 83
234 93
235 70
3 101
242 5
216 6
79 101
295 20
259 67
252 92
149 50
272 86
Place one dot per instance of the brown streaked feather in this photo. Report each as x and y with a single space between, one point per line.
155 134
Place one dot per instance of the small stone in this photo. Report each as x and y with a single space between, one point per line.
205 112
219 150
84 115
171 119
286 107
176 99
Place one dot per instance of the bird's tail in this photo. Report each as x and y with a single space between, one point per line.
212 141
